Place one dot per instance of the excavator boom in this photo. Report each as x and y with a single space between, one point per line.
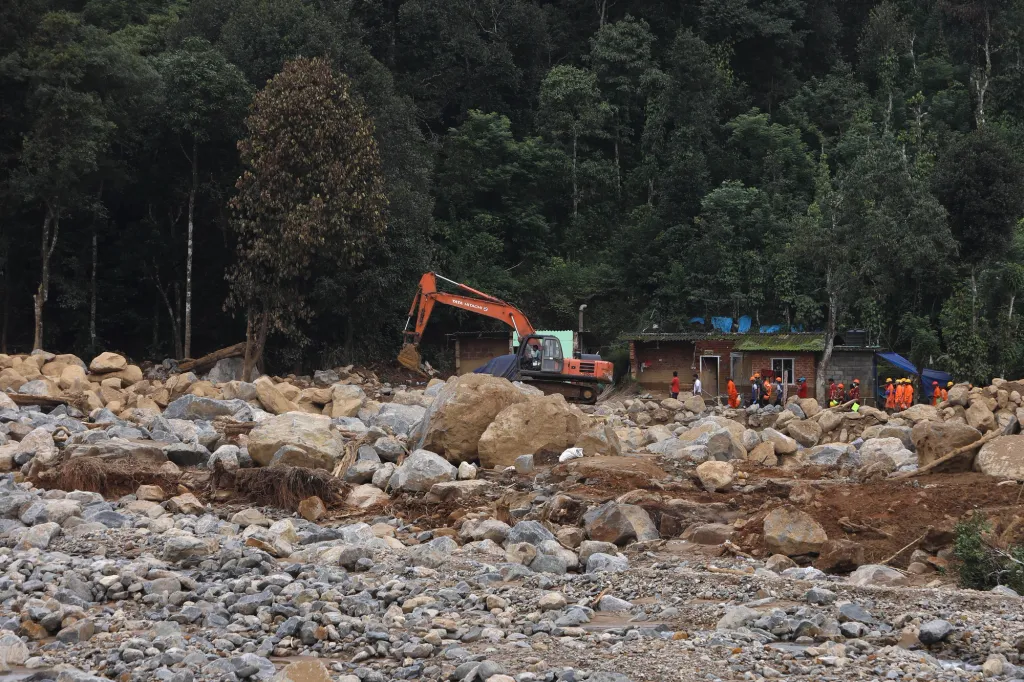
477 302
553 373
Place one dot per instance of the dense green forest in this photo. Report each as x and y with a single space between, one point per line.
805 162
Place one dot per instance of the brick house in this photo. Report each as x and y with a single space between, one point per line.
718 357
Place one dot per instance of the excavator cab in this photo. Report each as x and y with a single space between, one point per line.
540 354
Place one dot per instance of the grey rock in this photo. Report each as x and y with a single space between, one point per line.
421 470
532 532
193 407
934 631
606 563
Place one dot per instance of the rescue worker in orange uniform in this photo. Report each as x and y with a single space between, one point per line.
890 395
766 392
910 394
734 396
945 391
936 393
855 391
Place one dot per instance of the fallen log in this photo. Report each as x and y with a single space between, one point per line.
36 400
209 360
945 459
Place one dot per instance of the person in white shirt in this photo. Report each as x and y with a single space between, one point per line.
697 388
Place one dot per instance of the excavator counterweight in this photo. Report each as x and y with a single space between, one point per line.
539 360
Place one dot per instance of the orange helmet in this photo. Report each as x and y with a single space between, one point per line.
856 381
840 385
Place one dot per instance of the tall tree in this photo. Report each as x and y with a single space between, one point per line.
572 109
206 99
311 192
70 131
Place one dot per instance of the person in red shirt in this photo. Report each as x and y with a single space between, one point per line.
855 390
801 390
674 389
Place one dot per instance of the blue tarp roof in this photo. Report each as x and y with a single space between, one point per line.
744 324
899 361
927 375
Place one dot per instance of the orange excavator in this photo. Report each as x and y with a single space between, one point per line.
539 360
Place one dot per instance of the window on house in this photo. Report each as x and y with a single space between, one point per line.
784 366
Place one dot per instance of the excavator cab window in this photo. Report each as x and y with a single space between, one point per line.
551 360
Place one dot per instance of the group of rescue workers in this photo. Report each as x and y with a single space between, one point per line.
768 390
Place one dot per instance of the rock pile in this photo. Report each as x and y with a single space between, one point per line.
461 547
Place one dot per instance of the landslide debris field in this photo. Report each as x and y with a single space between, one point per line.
166 525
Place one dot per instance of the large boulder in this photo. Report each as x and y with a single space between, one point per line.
193 408
421 470
401 419
805 432
461 413
346 400
936 439
600 441
619 524
784 445
829 420
715 476
546 425
789 531
309 432
1003 457
107 362
980 416
694 403
880 449
921 412
959 395
272 399
809 406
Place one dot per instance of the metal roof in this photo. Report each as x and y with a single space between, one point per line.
807 342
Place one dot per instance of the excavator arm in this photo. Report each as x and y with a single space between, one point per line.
476 302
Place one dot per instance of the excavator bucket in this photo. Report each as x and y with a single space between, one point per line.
410 357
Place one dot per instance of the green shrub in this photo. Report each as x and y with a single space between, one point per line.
980 566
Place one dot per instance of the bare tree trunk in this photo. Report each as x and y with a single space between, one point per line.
188 264
981 76
575 185
51 231
7 306
618 181
175 326
255 340
1013 297
92 294
177 319
830 338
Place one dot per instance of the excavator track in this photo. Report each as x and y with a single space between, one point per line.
574 393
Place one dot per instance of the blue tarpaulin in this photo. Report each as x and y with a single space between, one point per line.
927 375
722 324
505 366
696 320
770 328
744 324
899 361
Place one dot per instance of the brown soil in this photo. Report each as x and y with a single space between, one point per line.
903 511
